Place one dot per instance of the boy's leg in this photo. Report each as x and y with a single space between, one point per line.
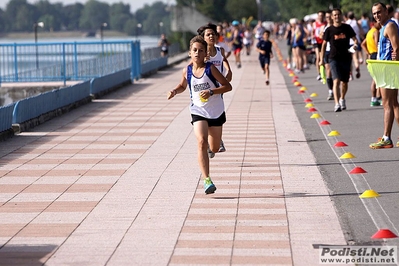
201 133
267 70
262 64
239 57
214 138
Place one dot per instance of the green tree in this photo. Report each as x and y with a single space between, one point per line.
119 15
270 11
72 14
48 21
186 2
239 9
214 9
357 6
290 8
3 22
94 15
20 15
151 17
50 14
131 28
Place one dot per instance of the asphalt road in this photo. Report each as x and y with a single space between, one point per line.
358 126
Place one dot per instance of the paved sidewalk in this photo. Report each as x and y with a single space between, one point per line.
116 182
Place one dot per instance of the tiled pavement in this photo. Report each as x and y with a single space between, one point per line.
116 182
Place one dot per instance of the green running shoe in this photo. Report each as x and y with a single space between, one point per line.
382 144
209 186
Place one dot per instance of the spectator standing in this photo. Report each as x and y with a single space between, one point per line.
370 46
298 46
288 37
388 49
364 22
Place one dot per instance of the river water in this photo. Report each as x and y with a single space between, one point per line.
9 95
145 41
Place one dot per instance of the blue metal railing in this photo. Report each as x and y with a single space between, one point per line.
98 79
32 62
37 105
6 116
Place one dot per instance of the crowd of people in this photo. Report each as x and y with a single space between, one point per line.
338 42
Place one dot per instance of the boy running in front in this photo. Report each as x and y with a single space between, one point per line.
264 47
206 85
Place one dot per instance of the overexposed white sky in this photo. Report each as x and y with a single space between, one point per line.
134 4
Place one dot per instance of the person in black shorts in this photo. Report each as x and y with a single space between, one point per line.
164 44
264 47
339 34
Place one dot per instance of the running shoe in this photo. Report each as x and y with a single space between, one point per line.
267 82
342 102
376 103
211 154
330 96
318 77
337 108
222 148
209 187
382 144
357 73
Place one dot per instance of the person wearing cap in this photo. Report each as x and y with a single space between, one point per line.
237 42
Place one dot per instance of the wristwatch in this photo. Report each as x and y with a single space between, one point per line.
210 92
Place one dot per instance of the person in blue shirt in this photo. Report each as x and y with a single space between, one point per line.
388 49
264 47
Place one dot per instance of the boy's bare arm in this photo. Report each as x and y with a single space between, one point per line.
180 87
